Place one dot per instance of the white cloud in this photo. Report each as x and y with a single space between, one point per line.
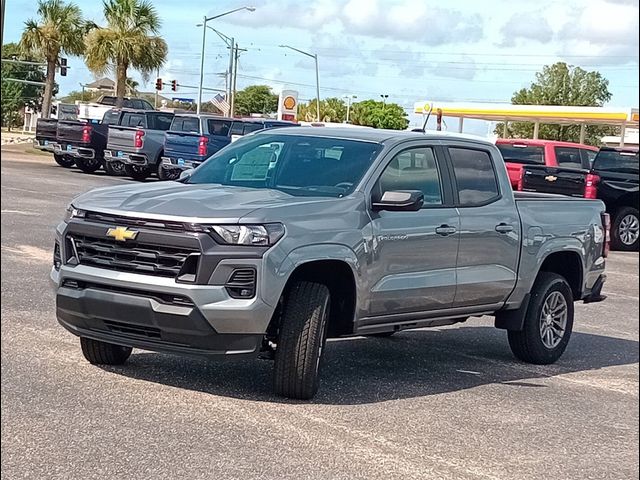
412 20
526 26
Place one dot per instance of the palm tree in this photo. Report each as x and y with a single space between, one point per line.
129 40
59 29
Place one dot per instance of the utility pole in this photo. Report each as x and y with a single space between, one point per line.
2 31
234 80
349 97
230 81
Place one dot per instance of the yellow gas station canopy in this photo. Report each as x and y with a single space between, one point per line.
532 113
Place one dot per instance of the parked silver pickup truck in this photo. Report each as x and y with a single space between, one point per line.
289 237
137 142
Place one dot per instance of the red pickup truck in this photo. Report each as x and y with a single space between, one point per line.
520 152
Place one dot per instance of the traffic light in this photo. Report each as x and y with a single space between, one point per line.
158 84
174 85
63 67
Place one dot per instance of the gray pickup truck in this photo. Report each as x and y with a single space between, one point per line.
289 237
136 142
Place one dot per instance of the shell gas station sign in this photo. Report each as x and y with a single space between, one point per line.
288 105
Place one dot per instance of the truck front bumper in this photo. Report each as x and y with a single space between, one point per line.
157 314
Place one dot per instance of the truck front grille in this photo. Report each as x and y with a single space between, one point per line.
130 256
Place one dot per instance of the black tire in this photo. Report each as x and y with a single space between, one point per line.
102 353
115 169
88 165
528 344
63 160
137 172
168 173
301 340
624 231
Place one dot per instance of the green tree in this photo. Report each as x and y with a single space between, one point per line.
16 95
59 30
331 110
77 95
562 84
130 39
256 99
379 115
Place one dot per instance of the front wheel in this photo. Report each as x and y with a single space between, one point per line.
102 353
625 230
168 173
63 160
548 323
88 165
301 340
137 172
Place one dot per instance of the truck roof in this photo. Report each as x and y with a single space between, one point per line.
541 142
375 134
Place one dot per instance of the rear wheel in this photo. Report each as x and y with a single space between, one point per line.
548 324
102 353
137 172
63 160
115 169
88 165
301 340
625 230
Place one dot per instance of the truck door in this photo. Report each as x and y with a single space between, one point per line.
413 258
489 247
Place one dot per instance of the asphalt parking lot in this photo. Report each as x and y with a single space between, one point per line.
444 403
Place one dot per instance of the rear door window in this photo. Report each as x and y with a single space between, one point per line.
475 176
237 128
219 127
186 124
616 161
161 121
588 156
252 127
111 117
130 119
522 153
568 157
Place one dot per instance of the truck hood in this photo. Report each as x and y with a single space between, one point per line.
189 202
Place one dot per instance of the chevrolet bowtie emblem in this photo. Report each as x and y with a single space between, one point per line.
550 178
122 233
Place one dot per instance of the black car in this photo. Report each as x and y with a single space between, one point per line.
613 178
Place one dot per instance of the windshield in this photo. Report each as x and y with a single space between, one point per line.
528 155
616 161
298 165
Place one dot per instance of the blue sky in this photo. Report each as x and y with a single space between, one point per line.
409 49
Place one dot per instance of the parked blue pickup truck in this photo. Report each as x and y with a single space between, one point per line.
194 138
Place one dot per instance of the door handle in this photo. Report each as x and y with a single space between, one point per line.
445 230
504 228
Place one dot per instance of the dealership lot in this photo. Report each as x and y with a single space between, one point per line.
439 403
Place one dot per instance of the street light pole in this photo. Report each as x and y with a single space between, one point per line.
384 101
204 37
315 57
349 97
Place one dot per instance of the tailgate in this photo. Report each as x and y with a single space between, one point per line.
563 181
69 131
46 128
181 144
121 138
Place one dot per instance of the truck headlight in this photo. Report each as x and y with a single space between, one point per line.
257 235
73 212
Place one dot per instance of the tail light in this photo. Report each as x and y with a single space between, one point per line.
591 186
606 224
86 134
137 142
521 180
202 146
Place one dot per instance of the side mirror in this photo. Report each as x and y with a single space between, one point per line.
185 174
400 201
